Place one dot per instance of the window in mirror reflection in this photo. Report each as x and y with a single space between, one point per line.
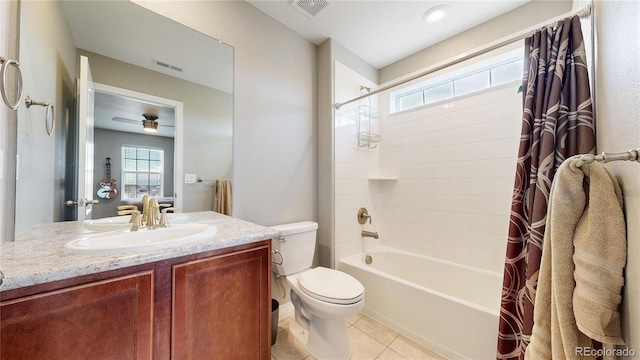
142 172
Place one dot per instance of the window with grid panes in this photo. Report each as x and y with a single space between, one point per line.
493 72
142 172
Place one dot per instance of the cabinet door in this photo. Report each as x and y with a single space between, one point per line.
110 319
221 307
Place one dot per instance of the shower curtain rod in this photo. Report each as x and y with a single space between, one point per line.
583 13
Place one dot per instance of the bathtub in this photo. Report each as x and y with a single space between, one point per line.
450 308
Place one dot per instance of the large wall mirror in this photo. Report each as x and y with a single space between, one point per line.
147 72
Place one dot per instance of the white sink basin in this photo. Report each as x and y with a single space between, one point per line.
141 240
122 222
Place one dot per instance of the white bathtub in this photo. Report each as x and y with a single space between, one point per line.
450 308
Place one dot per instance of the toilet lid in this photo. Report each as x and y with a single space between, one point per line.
331 286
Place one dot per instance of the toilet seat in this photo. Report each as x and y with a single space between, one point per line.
331 286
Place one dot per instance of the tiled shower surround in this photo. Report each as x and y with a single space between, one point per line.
438 183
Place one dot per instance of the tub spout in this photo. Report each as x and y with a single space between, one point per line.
370 234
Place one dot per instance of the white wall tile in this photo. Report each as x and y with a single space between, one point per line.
455 168
481 205
484 260
482 223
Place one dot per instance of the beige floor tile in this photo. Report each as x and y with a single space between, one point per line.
412 350
363 346
390 354
354 318
283 324
376 330
286 348
368 338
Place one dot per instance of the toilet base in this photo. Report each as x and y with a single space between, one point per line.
325 340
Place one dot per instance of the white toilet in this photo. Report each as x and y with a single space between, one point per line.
323 298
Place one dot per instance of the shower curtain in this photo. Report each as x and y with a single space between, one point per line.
557 123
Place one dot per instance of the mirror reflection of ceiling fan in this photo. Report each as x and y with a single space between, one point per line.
149 123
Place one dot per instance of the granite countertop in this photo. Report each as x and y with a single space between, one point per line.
38 256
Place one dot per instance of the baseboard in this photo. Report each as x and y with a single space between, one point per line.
286 309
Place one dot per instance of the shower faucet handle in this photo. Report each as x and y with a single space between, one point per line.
363 215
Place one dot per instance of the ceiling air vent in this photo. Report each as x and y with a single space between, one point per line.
168 66
310 8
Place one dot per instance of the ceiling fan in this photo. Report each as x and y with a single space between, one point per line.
149 123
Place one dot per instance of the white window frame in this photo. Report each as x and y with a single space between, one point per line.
474 69
123 171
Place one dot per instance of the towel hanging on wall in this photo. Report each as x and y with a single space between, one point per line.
222 197
581 274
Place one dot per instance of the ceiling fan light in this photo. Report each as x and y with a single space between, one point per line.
150 126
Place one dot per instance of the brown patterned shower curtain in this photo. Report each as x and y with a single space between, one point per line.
557 123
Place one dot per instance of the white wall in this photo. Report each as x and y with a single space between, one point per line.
275 141
48 68
8 50
618 129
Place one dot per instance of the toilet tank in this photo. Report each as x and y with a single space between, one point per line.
296 246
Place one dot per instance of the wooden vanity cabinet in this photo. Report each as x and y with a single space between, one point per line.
109 319
222 307
207 306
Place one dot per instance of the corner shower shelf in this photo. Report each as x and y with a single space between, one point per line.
358 112
383 178
369 138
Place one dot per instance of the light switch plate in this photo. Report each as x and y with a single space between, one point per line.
189 178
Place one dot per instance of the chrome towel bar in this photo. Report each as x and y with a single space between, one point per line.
631 155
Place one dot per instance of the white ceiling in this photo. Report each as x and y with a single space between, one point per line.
382 32
108 106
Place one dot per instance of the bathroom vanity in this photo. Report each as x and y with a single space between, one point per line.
205 300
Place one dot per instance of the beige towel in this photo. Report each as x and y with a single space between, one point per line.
583 259
222 197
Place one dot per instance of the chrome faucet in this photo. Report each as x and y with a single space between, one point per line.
370 234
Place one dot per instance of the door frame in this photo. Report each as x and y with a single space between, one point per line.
178 131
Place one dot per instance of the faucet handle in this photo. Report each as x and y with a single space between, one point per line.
136 221
127 207
363 215
164 220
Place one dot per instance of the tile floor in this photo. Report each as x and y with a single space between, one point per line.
370 340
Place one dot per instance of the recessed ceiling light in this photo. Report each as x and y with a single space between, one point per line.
435 14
